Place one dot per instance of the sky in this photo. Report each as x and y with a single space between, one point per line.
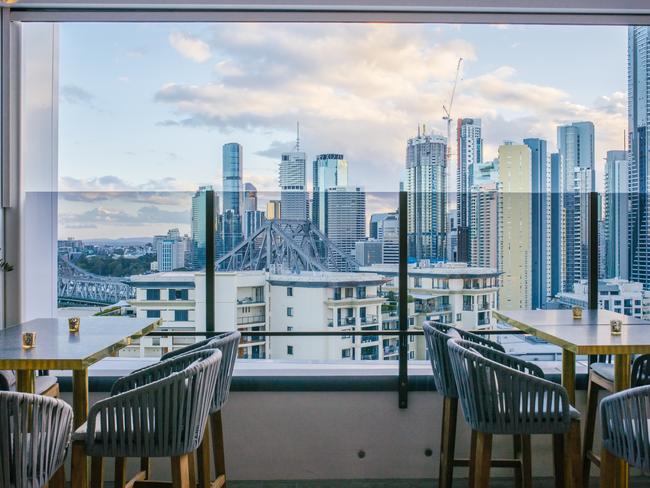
145 108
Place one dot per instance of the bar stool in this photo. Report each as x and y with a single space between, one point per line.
227 343
601 378
624 422
34 438
159 411
501 400
437 335
43 384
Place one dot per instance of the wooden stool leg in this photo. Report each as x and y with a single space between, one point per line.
78 465
590 427
120 472
608 469
482 460
191 461
558 459
572 469
526 462
516 451
58 479
203 460
96 472
180 471
472 457
447 442
216 431
145 467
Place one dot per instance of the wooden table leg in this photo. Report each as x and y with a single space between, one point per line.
25 381
80 396
80 413
621 382
569 374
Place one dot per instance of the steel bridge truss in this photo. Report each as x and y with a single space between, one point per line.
287 245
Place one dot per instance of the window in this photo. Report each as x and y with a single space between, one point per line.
153 294
181 315
178 294
346 353
172 127
289 350
289 328
153 314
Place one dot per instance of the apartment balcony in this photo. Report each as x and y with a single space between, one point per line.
249 301
368 319
253 319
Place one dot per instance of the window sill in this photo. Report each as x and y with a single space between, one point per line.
301 376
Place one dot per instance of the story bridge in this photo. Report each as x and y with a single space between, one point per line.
76 286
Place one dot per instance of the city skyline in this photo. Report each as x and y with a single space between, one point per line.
500 89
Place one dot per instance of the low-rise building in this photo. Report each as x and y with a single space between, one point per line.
615 294
171 297
327 301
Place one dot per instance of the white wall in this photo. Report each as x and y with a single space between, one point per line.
278 435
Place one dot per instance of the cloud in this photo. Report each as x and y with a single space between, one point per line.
362 90
190 47
164 191
107 216
276 148
76 95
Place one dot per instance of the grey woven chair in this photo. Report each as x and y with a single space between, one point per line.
471 337
160 411
227 343
437 335
43 384
601 378
626 434
34 439
502 400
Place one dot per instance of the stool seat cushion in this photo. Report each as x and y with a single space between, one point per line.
604 370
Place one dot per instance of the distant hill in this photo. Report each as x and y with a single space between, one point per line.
122 241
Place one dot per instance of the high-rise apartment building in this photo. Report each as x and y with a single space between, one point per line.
638 99
293 185
575 144
385 228
470 154
253 218
483 225
345 216
329 171
541 222
557 224
198 225
233 195
514 226
172 251
273 210
616 215
426 166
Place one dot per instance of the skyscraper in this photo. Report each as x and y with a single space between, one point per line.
616 215
575 144
292 179
426 163
514 227
385 228
253 218
483 225
470 154
346 216
638 99
329 171
198 225
557 236
233 195
273 210
541 224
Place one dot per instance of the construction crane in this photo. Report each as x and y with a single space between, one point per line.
447 111
442 238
